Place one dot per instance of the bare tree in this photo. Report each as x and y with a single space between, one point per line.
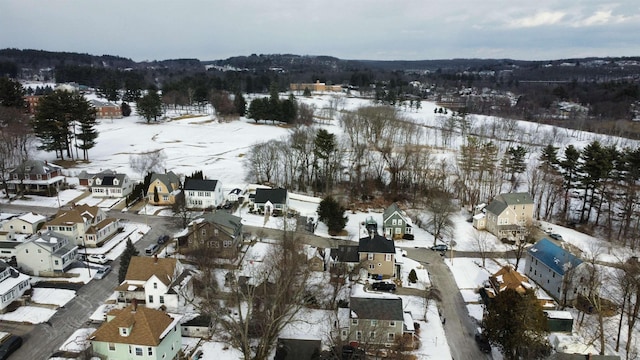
441 208
265 301
152 161
16 138
481 244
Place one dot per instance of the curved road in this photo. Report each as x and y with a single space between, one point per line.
459 326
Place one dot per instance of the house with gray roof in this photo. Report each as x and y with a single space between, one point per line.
110 185
220 230
203 193
554 269
13 285
377 321
395 223
36 177
163 188
506 216
46 254
377 254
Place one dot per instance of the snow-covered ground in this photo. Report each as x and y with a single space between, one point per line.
218 149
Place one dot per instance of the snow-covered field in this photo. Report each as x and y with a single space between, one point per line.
218 149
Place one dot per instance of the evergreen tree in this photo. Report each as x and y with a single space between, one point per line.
569 166
517 325
129 252
413 277
109 89
11 93
150 106
332 213
126 109
240 104
156 197
86 117
55 120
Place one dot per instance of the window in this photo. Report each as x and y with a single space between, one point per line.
226 243
391 337
354 321
392 323
155 285
399 222
387 257
204 232
372 267
161 299
372 335
369 256
165 197
149 351
398 230
394 222
150 299
359 335
374 322
56 262
138 351
112 347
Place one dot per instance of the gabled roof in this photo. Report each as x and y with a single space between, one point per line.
142 268
376 244
76 215
553 256
35 167
276 196
202 185
108 179
388 212
377 308
147 326
508 278
502 201
32 218
167 179
230 222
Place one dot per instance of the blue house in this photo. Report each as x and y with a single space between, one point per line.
553 269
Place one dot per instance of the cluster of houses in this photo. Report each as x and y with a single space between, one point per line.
139 324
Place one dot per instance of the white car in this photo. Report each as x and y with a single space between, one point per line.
97 258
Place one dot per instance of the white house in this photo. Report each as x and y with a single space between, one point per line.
27 223
203 194
155 282
87 225
110 185
13 285
46 254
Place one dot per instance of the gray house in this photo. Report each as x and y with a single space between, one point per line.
395 223
373 321
552 268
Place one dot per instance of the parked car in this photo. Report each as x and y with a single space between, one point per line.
383 286
556 237
151 249
103 271
163 239
97 258
440 247
9 346
482 341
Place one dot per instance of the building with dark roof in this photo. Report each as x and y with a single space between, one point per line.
377 254
110 184
271 200
36 177
219 230
396 223
375 320
163 188
203 194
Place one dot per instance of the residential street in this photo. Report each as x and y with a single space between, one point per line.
459 326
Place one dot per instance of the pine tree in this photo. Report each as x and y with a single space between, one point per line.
11 93
129 252
240 104
150 106
413 277
332 213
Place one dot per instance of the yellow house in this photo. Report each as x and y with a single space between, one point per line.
315 87
163 188
506 216
377 255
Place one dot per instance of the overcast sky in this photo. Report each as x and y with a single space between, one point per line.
348 29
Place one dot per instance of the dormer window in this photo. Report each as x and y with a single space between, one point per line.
124 331
98 181
116 182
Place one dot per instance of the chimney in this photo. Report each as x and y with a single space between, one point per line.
134 305
155 258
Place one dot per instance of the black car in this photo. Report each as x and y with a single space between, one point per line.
440 247
483 342
10 345
163 239
383 286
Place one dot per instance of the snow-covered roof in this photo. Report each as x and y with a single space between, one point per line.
32 218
